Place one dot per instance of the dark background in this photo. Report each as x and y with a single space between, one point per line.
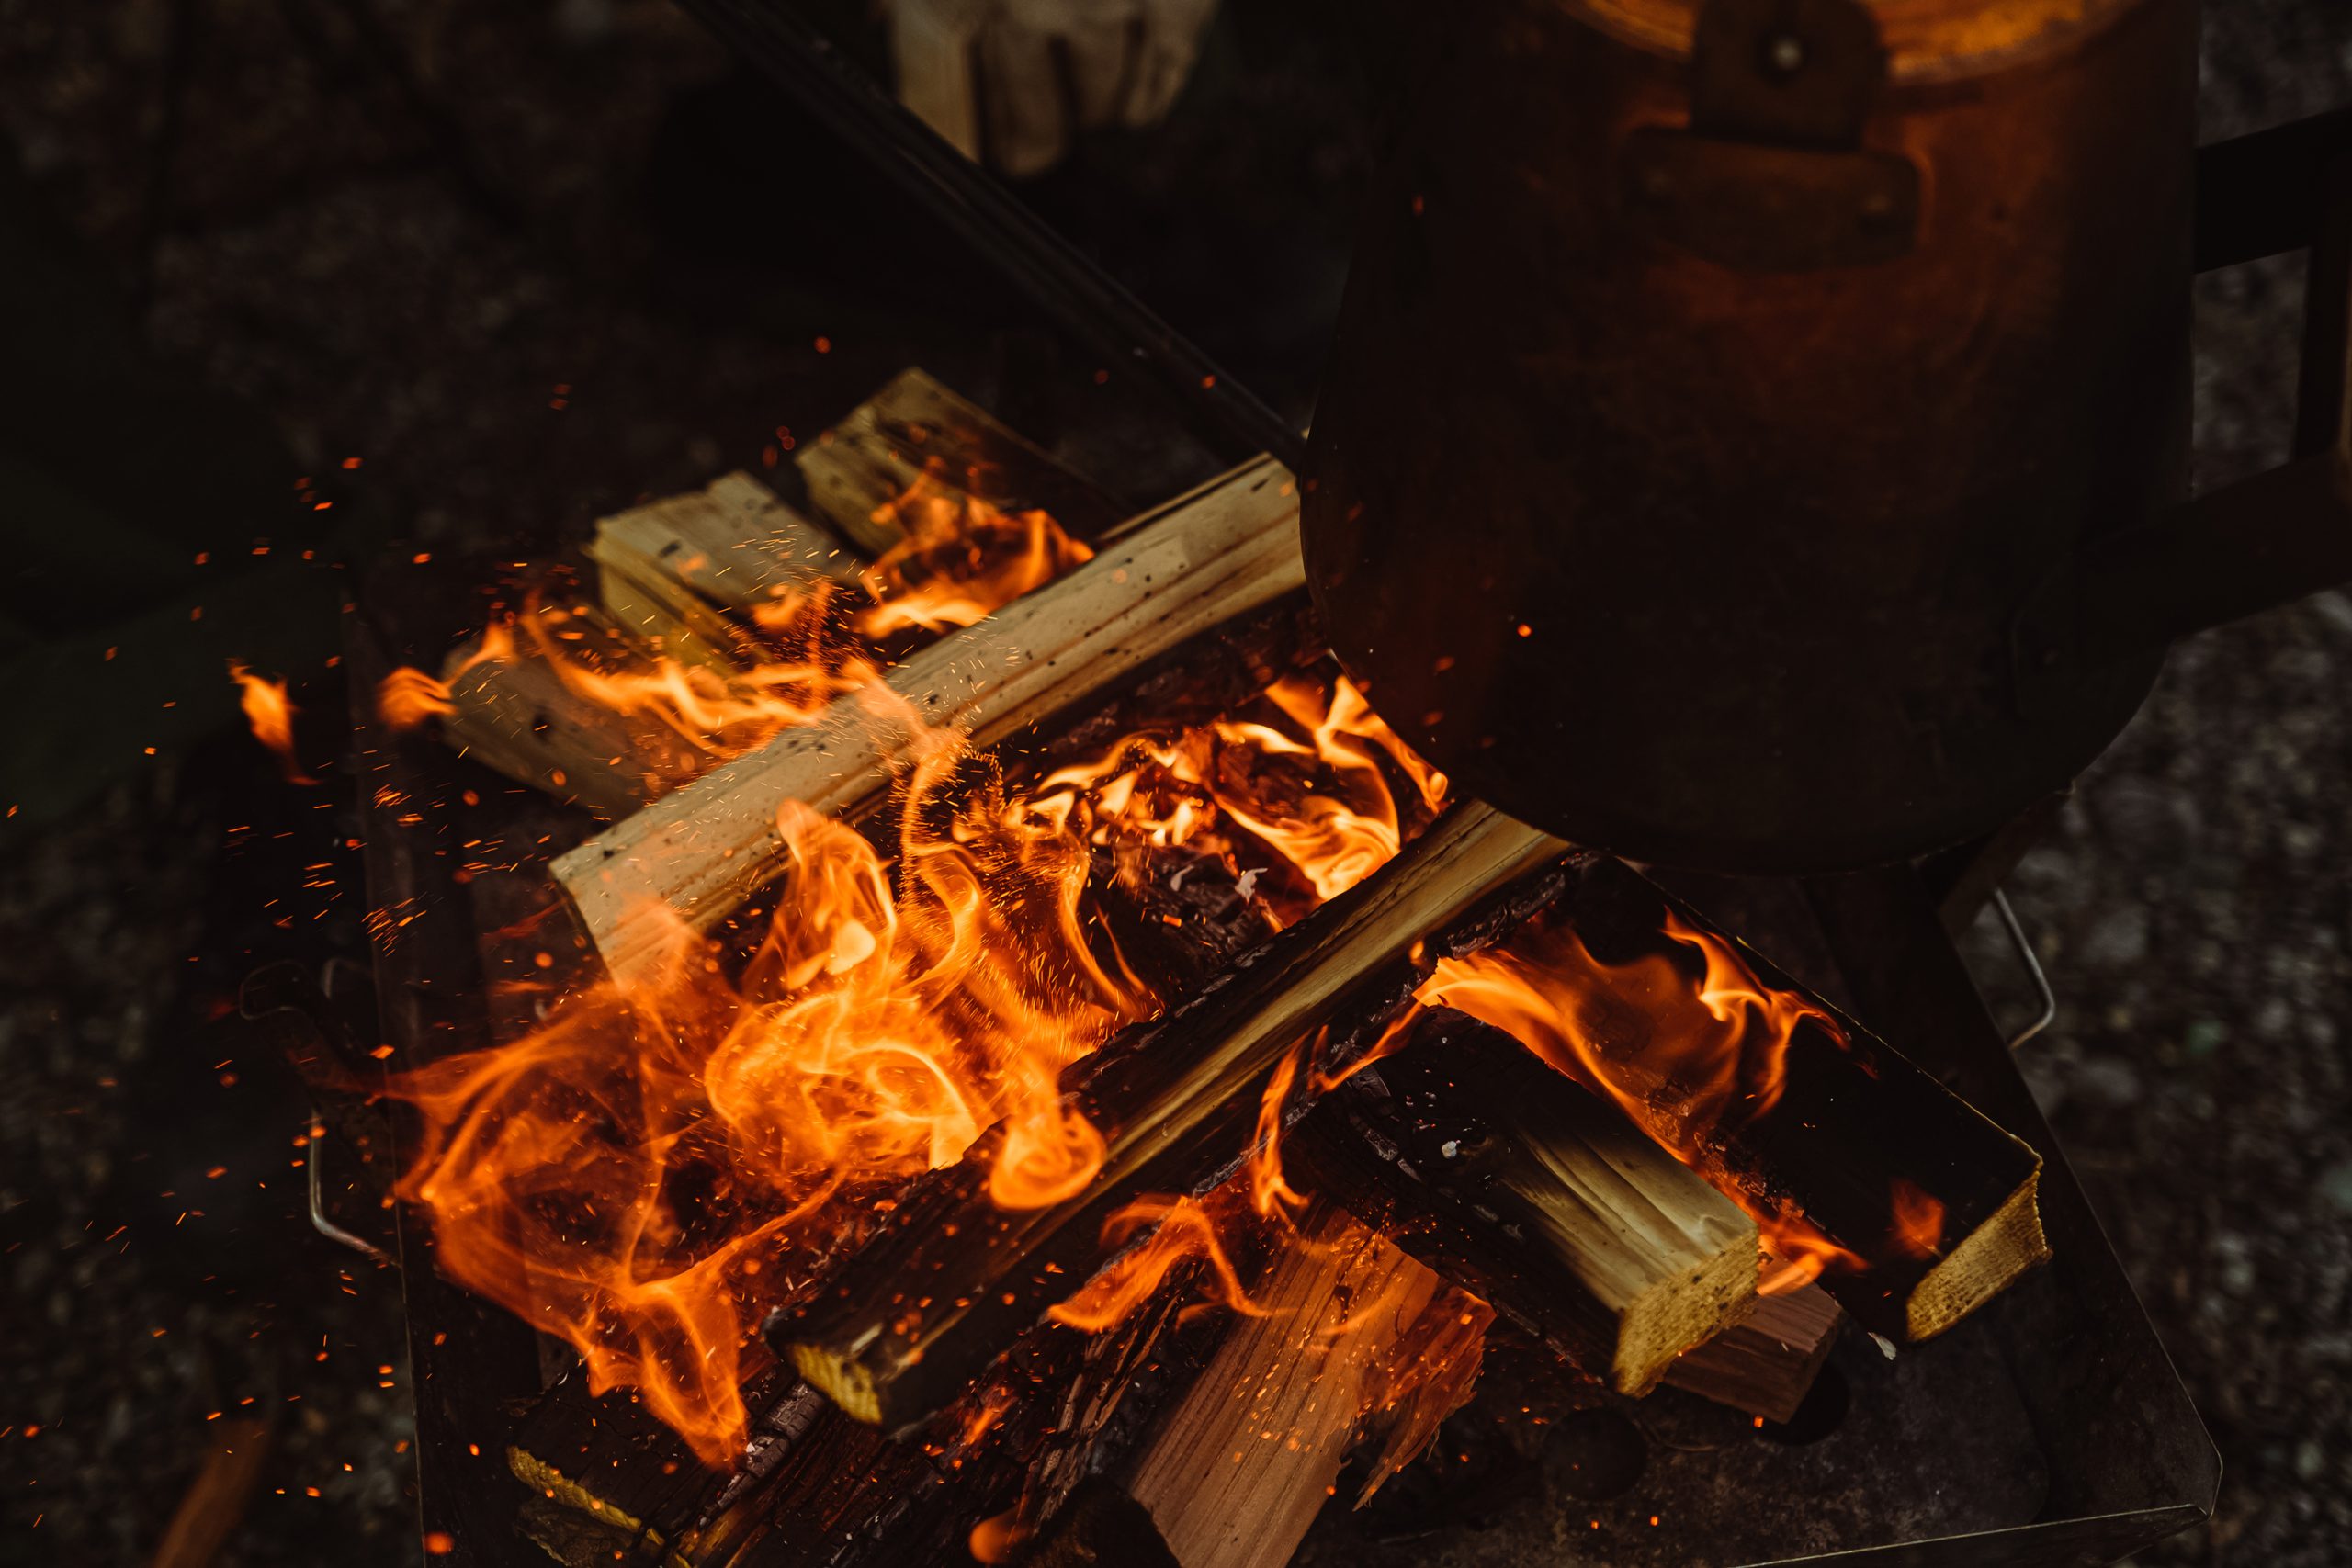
529 260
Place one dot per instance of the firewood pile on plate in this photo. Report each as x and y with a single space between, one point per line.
993 1049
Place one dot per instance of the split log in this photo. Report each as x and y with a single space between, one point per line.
1509 1180
1355 1336
1515 1183
1765 1365
520 718
667 570
1202 560
1240 1469
915 426
950 1279
1934 1204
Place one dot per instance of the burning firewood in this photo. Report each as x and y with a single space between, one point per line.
1507 1179
1913 1208
1861 1149
666 570
1610 1248
954 1274
914 429
1238 1470
1201 561
527 719
1517 1183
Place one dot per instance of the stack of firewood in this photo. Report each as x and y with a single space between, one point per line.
923 1405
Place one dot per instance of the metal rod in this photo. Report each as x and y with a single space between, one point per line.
2260 195
1087 301
315 1155
2033 962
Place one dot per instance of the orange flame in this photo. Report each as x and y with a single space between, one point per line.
271 717
1181 1231
1269 1194
649 1169
961 558
1691 1060
1918 1228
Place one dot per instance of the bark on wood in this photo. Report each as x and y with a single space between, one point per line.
951 1279
1766 1364
915 425
1520 1185
1220 553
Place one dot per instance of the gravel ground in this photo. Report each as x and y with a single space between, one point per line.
412 244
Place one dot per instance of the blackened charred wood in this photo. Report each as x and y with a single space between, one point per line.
951 1279
1520 1185
1861 1144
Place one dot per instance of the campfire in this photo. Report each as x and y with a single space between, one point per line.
968 1038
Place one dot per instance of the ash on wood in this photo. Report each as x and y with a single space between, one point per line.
951 1279
914 426
1518 1184
1207 559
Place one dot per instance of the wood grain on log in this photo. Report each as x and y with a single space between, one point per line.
1522 1186
1241 1467
1204 560
915 426
1766 1364
668 569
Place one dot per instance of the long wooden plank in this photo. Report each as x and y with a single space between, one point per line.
1205 558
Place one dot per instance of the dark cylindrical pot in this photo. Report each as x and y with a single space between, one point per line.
1708 553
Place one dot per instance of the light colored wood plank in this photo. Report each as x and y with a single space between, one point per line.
668 570
916 424
1241 1468
1765 1365
1205 558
